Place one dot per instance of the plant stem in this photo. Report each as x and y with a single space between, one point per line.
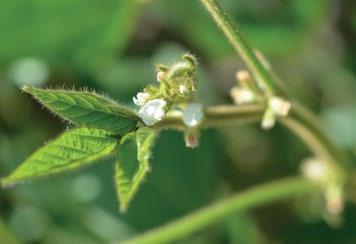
222 115
254 197
237 40
302 122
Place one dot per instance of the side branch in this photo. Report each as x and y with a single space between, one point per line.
222 115
254 197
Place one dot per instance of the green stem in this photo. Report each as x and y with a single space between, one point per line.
236 39
215 116
254 197
301 122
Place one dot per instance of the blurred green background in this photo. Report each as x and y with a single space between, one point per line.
112 46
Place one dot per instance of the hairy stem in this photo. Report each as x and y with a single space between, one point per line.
254 197
237 40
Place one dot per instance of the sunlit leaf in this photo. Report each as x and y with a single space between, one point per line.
87 109
132 164
73 149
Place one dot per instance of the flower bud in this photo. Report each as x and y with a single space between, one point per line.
334 199
279 106
314 169
161 76
268 120
242 95
244 78
193 114
183 89
141 98
191 138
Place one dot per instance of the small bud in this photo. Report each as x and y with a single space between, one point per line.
334 200
191 138
242 95
141 98
268 120
279 106
161 76
244 78
193 114
183 89
314 169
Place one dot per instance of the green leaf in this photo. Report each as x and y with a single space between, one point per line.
73 149
132 164
87 109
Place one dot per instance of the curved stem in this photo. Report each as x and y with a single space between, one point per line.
254 197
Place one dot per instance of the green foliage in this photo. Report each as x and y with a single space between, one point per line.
69 30
87 109
73 149
132 164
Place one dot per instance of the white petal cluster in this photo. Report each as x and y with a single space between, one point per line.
193 114
276 107
141 98
242 95
279 106
153 111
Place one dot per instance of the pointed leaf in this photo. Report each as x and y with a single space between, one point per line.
71 150
132 164
87 109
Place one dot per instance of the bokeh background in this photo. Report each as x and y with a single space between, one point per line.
113 46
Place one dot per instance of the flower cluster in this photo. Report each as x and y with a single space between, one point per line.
319 171
276 107
249 92
245 92
175 89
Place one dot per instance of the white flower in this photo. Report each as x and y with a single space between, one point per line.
193 114
183 89
141 98
242 95
279 106
152 111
